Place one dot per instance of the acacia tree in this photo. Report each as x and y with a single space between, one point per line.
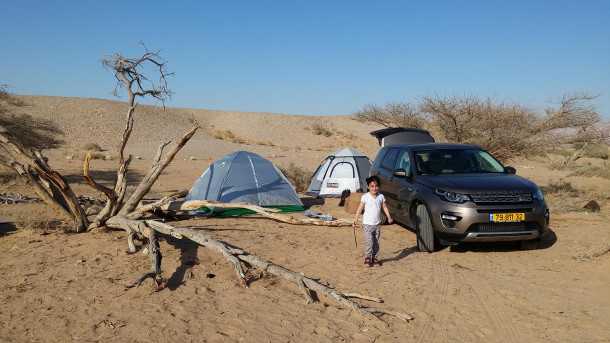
392 115
509 130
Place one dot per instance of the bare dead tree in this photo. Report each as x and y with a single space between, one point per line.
130 77
392 115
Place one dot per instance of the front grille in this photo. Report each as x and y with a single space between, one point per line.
497 198
504 227
505 210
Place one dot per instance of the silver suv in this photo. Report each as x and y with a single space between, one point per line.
451 193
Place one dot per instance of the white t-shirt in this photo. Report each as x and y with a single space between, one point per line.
372 208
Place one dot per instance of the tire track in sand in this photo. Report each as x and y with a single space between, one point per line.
435 297
490 302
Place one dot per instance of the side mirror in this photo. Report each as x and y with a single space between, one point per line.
510 170
401 173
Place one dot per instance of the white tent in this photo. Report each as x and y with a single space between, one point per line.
345 169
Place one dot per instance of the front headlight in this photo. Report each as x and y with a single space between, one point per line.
452 196
538 195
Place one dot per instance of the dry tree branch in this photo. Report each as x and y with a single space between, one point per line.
237 256
157 168
265 212
48 183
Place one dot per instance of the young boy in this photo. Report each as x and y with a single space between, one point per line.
372 203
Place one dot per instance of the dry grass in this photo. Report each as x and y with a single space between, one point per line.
596 150
560 187
321 130
228 135
591 170
298 176
265 143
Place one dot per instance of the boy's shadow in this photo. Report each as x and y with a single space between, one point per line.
400 254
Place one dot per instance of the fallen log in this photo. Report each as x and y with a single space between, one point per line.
237 256
191 205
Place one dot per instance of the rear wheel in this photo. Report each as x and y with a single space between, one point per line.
424 230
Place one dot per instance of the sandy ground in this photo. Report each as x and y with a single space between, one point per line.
59 287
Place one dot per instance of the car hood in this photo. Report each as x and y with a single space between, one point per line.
471 183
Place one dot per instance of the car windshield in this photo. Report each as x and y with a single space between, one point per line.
456 161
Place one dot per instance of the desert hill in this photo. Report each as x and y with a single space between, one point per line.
301 139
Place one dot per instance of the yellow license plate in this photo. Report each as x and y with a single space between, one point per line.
507 217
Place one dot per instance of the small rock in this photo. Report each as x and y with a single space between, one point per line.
70 157
592 206
138 157
192 158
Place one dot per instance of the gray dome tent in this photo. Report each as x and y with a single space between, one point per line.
244 176
345 169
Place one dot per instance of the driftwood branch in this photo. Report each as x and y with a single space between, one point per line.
237 256
270 213
50 185
109 193
153 174
142 210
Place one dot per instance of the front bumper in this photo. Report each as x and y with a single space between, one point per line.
473 222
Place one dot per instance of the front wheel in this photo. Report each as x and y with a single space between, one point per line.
424 230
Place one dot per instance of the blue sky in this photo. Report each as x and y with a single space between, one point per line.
315 57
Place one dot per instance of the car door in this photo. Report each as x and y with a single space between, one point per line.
404 188
385 173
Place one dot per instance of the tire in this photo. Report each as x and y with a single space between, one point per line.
426 241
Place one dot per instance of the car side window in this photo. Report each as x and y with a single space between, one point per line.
403 161
389 159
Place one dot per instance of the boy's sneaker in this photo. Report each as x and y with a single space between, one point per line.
367 260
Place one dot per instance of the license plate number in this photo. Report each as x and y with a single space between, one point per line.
332 185
507 217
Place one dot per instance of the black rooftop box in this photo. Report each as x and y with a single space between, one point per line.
402 135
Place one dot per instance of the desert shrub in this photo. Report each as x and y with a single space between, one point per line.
596 150
265 143
509 130
92 147
590 170
228 135
298 176
506 130
392 115
560 187
321 130
562 152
